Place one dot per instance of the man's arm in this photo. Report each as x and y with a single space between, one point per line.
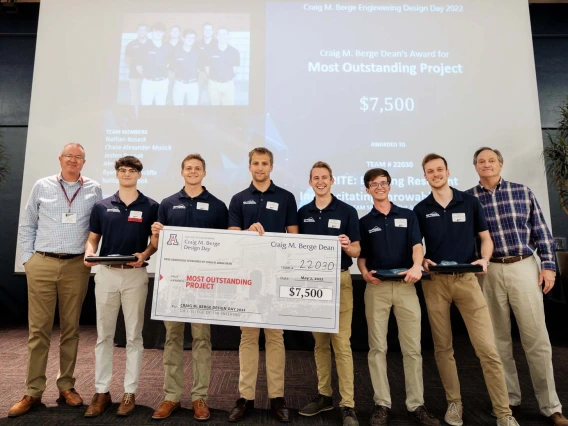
351 248
540 235
28 226
486 250
365 273
293 229
91 247
415 273
150 250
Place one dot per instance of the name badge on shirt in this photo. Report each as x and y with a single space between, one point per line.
68 218
271 205
400 223
135 216
202 206
458 217
334 223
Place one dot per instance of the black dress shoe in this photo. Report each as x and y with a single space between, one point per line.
279 409
241 410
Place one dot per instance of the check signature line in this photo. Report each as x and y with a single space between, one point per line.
313 281
303 316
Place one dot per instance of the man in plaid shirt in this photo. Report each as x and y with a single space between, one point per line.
514 279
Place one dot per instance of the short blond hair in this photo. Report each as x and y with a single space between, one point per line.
321 165
261 151
193 157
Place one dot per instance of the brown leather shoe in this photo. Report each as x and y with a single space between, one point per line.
127 405
165 409
23 406
200 410
241 410
98 405
279 409
70 397
558 419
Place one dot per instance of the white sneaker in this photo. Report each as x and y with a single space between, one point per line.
507 421
454 414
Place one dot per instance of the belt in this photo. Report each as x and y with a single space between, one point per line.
60 256
511 259
155 79
193 80
222 81
345 270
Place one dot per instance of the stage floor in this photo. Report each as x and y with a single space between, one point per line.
301 386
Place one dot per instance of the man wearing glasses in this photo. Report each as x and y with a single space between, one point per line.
391 240
54 227
124 220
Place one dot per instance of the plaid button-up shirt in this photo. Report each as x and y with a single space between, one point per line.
515 221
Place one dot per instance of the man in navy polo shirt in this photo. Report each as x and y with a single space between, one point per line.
205 45
391 240
221 68
153 65
450 221
183 63
131 54
326 215
262 207
195 207
124 220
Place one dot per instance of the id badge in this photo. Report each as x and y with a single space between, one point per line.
135 216
69 218
271 205
202 206
400 223
334 223
458 217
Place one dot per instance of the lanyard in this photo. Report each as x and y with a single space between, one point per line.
70 201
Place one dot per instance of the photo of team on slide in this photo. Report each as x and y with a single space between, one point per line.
184 59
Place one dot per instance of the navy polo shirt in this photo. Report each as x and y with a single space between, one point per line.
154 60
125 229
275 209
203 211
450 233
221 63
184 64
336 218
133 50
387 240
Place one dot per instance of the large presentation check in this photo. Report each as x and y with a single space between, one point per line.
240 278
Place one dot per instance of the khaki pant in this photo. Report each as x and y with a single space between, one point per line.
341 347
221 93
185 91
248 360
515 285
114 288
50 281
379 299
173 360
465 292
135 85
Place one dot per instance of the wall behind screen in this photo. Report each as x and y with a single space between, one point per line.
550 38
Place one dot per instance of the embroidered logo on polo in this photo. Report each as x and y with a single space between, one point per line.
113 210
433 214
249 202
309 219
179 206
375 229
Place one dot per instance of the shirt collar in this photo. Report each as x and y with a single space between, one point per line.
456 198
497 187
332 206
204 195
253 190
115 199
59 178
394 210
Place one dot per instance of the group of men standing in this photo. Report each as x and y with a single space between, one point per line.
497 225
181 70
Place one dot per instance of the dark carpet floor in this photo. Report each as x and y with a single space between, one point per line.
301 386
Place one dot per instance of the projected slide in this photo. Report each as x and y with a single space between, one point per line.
182 59
358 85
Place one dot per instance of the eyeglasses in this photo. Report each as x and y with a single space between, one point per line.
70 156
131 171
377 184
